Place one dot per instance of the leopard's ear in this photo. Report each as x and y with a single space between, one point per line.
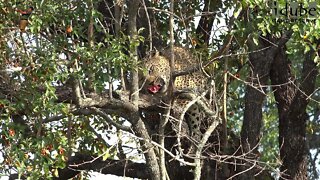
156 54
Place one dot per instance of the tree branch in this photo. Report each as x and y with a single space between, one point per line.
125 168
138 124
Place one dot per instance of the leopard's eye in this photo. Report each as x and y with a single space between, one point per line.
151 69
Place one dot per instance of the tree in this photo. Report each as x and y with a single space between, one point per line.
70 99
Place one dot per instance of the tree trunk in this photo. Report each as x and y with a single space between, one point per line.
139 126
260 61
255 94
206 22
292 103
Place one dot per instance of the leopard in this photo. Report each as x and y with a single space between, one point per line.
157 79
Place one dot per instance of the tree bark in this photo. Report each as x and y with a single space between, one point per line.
292 102
139 126
116 167
260 61
206 22
254 97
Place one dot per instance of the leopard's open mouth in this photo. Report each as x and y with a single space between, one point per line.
154 88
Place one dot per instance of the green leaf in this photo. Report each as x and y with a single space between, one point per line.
56 173
106 155
255 40
316 59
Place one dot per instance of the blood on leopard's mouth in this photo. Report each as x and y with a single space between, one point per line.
154 89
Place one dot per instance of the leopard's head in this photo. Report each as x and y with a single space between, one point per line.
157 76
